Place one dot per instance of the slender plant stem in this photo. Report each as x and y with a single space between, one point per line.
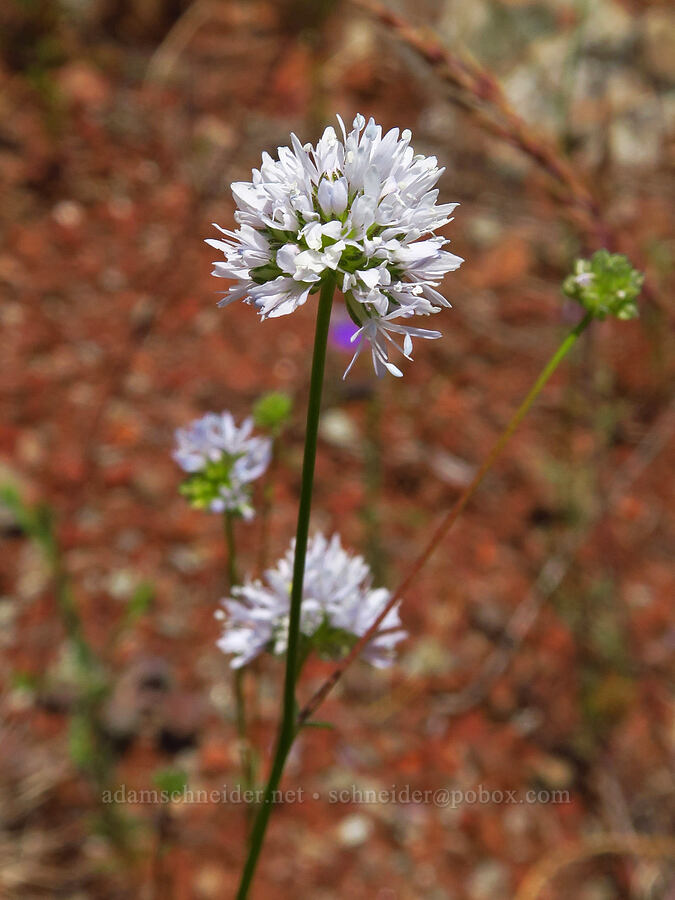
245 755
228 527
267 500
287 727
372 476
449 518
245 750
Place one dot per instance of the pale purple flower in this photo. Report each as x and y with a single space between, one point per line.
338 606
362 208
222 459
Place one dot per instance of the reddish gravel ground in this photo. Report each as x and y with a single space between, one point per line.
111 339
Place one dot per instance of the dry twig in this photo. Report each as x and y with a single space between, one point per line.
653 846
477 91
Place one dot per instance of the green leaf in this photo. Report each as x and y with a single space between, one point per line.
10 497
171 781
139 602
25 681
37 522
81 741
318 724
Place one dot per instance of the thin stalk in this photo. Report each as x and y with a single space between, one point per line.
449 518
228 527
372 476
476 91
245 750
266 511
97 761
287 727
245 755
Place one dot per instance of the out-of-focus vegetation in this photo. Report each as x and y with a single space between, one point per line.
541 635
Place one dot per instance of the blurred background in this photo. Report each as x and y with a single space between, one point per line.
541 637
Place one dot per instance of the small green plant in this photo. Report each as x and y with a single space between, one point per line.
89 748
171 782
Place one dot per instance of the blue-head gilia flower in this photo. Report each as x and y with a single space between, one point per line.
338 606
222 460
361 209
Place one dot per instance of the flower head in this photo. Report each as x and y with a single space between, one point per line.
361 209
222 460
338 606
605 285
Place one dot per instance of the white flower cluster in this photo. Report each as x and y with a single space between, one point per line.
338 606
361 210
222 460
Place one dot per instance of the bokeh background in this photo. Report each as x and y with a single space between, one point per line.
541 635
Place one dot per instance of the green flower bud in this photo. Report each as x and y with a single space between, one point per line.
605 285
272 410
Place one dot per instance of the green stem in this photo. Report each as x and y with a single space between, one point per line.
372 472
246 758
245 750
287 729
268 496
228 526
524 407
447 521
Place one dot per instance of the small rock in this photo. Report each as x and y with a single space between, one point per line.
527 721
68 213
121 584
81 83
183 718
489 880
485 229
659 42
138 696
428 657
451 469
354 830
553 771
209 882
598 889
635 140
338 429
187 559
609 27
217 756
215 131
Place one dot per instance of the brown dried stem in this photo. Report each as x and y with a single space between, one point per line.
479 93
653 846
449 518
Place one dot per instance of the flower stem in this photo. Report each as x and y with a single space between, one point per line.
245 751
228 527
245 755
287 727
267 501
372 476
449 518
